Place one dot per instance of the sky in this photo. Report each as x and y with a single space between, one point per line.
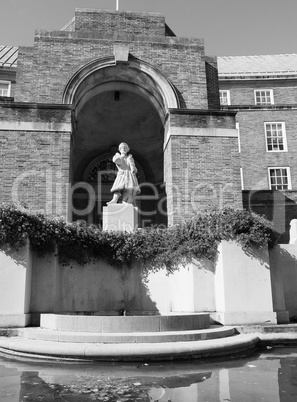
228 27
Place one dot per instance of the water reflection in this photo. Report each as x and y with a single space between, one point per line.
269 377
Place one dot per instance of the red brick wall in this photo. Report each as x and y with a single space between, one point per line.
254 158
201 171
212 82
35 165
242 92
202 119
136 23
57 55
278 206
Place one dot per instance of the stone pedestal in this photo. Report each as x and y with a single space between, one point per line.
120 217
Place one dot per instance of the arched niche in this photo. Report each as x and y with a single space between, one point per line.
116 102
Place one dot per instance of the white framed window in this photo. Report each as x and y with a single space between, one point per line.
276 140
279 178
225 97
5 88
264 97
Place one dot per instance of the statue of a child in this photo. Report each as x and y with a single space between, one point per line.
126 183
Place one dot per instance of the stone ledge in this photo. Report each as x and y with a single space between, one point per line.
133 337
129 352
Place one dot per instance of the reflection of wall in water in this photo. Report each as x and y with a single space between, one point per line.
287 379
255 381
9 384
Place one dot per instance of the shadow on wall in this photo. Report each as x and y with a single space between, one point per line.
279 208
96 288
18 255
283 263
258 253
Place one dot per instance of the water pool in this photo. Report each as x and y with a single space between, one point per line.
269 376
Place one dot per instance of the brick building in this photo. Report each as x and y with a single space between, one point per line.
112 76
104 78
263 91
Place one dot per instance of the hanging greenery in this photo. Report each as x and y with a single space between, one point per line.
196 238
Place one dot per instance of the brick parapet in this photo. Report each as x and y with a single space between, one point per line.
57 56
109 21
47 35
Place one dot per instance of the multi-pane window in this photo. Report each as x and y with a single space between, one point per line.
264 97
279 178
275 137
4 88
225 97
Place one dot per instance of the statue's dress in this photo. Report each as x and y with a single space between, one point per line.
126 175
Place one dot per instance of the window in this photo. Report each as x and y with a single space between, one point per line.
225 97
4 88
275 137
279 178
264 97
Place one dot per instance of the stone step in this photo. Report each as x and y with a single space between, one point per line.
33 348
134 337
122 324
267 328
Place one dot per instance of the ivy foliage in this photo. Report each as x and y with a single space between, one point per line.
196 238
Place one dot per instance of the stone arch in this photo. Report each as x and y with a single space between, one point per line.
135 75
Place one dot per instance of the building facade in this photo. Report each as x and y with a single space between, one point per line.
263 91
203 131
108 77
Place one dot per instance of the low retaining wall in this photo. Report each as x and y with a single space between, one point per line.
103 289
283 260
236 289
15 287
125 324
